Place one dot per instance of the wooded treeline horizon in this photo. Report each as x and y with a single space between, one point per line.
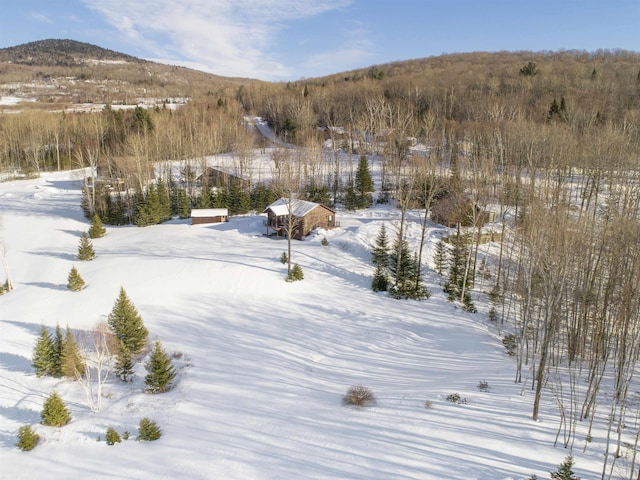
550 141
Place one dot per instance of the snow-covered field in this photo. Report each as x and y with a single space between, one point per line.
264 363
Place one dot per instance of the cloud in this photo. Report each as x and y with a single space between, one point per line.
355 51
226 37
39 17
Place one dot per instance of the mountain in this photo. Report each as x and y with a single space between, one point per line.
62 53
52 73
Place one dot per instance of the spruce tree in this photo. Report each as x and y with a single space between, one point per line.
164 201
148 430
27 438
565 470
161 371
112 437
71 363
184 205
126 324
43 359
351 201
54 412
75 282
96 230
58 346
401 267
363 183
380 252
380 282
85 249
440 257
205 200
124 364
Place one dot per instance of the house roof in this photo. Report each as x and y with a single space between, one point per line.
209 212
299 207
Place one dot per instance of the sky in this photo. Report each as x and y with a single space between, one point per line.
282 40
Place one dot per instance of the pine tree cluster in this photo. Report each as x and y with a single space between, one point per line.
461 273
397 270
162 200
57 355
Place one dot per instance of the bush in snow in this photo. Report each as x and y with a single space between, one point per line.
296 274
359 396
27 438
148 430
456 398
283 258
324 242
483 386
112 437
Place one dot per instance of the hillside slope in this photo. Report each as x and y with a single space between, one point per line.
262 363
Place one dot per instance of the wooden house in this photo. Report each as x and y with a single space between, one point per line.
214 177
124 172
452 210
305 217
209 215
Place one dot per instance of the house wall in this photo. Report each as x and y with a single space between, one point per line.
199 220
318 217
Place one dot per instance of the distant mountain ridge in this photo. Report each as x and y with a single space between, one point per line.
61 53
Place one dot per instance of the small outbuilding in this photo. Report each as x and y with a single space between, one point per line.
305 217
209 215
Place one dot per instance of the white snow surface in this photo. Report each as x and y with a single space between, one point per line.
264 363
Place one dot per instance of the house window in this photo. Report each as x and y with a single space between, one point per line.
330 217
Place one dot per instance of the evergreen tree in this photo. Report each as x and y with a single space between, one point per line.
184 204
205 200
148 210
296 274
148 430
565 470
164 201
363 183
127 325
380 282
457 258
222 198
124 364
96 230
27 438
71 363
380 251
43 359
401 267
58 347
440 257
161 371
112 437
351 200
54 412
457 268
75 282
85 249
